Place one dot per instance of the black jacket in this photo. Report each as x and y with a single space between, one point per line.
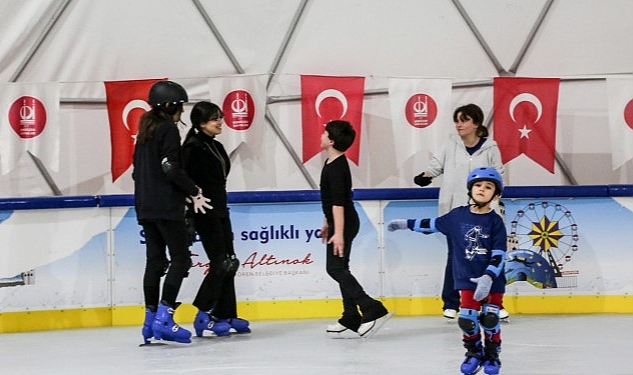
208 164
160 194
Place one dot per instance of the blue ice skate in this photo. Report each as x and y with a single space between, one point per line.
474 357
492 364
166 329
238 325
204 320
147 330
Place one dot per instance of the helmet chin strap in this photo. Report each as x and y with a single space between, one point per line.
478 205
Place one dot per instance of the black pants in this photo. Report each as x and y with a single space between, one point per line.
159 236
354 296
217 291
450 296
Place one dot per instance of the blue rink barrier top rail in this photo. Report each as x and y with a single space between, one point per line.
298 196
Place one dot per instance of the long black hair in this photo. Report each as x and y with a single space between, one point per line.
201 113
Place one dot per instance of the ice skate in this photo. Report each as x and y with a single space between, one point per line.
374 321
339 331
474 357
491 363
147 331
165 328
238 325
450 314
504 316
205 321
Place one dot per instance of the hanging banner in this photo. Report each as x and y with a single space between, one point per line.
243 102
421 114
324 99
620 96
127 102
525 112
29 124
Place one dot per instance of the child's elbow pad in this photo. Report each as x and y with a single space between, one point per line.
426 226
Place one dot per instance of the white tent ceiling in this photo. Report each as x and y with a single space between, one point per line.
83 43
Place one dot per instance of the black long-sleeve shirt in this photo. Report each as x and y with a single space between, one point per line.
157 194
336 187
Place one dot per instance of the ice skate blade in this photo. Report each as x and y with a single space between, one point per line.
152 344
474 372
378 323
347 334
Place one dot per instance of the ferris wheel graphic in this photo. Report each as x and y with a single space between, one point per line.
548 229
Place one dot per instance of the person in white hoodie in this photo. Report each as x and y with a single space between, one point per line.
470 148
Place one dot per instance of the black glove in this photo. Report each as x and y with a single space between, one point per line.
231 264
422 180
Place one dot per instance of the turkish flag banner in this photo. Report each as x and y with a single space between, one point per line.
325 98
525 112
127 102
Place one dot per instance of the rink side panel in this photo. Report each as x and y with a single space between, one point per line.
72 262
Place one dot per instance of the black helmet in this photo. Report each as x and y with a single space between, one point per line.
166 92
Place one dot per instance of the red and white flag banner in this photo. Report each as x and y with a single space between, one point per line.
525 111
620 96
420 113
327 98
29 123
127 102
243 102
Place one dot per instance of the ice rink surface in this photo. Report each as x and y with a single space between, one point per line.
532 345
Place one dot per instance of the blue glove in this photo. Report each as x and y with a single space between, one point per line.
397 224
484 283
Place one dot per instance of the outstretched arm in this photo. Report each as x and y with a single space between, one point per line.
426 226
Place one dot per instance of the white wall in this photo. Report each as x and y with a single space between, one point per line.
102 40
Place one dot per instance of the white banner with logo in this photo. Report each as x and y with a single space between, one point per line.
243 102
421 114
29 123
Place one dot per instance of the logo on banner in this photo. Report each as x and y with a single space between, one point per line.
420 110
131 116
330 104
628 114
239 110
525 109
27 117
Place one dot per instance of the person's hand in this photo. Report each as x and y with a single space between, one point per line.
422 180
200 203
484 283
397 224
324 232
338 245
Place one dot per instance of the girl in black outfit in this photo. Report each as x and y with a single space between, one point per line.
208 164
160 189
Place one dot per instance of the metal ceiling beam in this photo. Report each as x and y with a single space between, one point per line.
530 37
218 36
63 4
479 37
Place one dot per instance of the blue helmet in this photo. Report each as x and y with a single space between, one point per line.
485 174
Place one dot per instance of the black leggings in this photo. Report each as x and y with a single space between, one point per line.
353 294
161 235
217 291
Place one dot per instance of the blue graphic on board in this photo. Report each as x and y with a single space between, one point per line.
526 265
542 239
4 215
